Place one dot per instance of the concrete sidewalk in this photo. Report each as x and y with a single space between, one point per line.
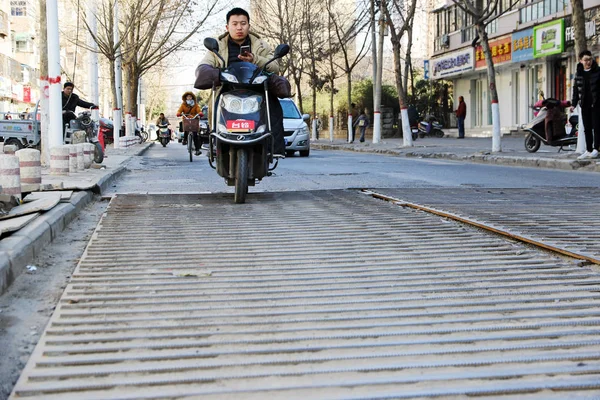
470 149
19 248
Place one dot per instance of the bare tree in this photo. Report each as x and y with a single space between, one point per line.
579 26
346 24
399 18
282 22
483 13
150 30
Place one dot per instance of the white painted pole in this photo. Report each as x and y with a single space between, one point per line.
350 127
93 60
406 131
496 134
55 135
44 87
314 129
118 108
331 128
581 146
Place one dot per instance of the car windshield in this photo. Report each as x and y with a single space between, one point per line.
289 109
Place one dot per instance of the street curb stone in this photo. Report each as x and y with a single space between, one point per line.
484 158
20 248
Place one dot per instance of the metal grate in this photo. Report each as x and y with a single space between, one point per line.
347 297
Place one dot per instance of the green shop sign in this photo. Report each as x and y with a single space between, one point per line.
549 38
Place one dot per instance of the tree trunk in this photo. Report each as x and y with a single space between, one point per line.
44 86
406 132
131 91
579 26
350 116
113 86
496 136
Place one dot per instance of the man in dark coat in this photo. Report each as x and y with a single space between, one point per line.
70 101
586 91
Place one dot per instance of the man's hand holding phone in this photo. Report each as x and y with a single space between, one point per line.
245 54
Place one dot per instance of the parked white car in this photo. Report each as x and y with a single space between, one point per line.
297 135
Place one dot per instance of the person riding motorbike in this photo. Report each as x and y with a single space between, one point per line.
190 108
163 121
70 101
240 44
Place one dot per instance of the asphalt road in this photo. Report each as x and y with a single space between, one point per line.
168 170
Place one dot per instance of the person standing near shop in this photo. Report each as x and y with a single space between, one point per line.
586 92
461 114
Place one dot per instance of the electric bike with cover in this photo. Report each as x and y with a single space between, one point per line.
550 126
241 141
430 126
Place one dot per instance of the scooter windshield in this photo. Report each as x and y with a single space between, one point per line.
242 71
241 111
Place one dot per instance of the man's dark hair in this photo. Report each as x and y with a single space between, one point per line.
68 84
585 53
238 11
161 114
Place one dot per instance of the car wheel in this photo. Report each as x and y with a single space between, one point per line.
304 153
289 153
14 142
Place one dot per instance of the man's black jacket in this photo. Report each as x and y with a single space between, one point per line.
69 103
579 88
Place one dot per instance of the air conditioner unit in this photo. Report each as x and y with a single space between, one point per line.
445 40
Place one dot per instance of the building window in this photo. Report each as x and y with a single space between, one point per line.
18 8
540 9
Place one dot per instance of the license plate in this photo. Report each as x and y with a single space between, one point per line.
240 125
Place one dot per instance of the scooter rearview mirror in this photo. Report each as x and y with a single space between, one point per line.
281 50
211 44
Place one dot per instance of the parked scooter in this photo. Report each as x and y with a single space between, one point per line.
164 134
84 122
241 144
431 127
550 126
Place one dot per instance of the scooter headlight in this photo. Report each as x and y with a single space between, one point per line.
241 105
259 80
229 77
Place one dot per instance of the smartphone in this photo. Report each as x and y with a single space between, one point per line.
245 50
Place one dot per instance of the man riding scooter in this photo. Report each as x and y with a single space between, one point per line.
70 101
239 44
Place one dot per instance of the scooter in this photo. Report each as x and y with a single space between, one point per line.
84 122
549 113
241 144
435 130
164 134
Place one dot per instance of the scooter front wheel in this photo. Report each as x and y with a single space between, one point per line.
241 177
98 153
532 143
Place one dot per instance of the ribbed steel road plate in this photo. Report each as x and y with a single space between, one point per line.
313 295
566 218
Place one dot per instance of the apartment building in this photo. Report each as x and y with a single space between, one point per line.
533 51
18 55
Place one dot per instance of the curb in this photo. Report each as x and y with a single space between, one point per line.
515 161
20 248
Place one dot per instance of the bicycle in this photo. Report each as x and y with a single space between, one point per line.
192 126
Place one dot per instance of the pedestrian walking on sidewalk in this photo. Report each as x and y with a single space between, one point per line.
586 91
461 113
363 123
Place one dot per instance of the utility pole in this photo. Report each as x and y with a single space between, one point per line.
373 48
44 99
118 108
55 129
93 59
377 96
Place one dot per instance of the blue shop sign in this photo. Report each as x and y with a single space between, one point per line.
522 45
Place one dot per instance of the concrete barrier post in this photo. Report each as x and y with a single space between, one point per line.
88 155
59 160
11 149
10 177
80 160
72 158
31 169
